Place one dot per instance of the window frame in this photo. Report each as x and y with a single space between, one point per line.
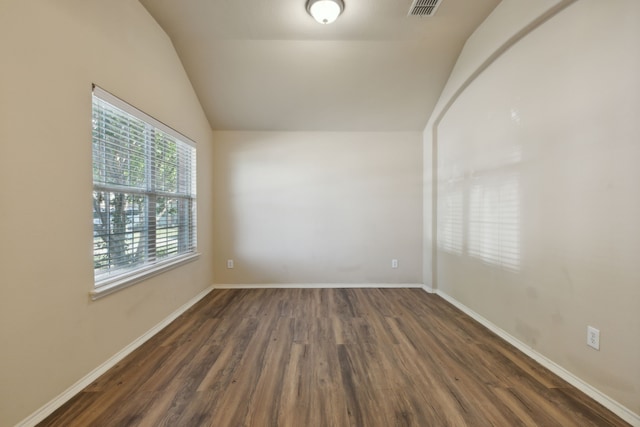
118 277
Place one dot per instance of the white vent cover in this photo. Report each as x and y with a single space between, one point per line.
424 7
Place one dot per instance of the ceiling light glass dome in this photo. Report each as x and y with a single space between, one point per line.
325 11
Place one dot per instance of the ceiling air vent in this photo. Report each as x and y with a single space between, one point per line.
424 7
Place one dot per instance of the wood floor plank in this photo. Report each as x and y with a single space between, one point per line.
328 357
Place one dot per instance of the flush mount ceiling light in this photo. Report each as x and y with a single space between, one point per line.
325 11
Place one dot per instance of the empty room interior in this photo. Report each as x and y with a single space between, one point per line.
423 213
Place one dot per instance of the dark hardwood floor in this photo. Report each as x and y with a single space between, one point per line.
328 357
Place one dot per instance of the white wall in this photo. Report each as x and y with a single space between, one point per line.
318 207
51 334
537 191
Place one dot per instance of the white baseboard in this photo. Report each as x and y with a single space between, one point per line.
615 407
65 396
428 289
316 285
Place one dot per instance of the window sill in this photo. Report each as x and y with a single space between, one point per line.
110 286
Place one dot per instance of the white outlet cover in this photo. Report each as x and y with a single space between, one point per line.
593 337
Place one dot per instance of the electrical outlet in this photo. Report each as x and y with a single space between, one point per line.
394 263
593 337
229 263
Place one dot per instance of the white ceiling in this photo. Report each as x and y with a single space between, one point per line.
267 65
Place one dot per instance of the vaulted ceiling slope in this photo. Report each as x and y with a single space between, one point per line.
267 65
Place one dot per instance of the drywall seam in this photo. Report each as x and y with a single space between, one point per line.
76 388
606 401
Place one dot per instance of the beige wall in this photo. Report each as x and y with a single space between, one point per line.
51 334
318 207
507 22
537 192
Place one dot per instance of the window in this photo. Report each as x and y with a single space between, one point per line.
144 194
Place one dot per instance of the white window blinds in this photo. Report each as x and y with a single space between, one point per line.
144 191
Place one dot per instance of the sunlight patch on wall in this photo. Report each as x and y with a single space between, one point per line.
494 221
479 216
451 233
